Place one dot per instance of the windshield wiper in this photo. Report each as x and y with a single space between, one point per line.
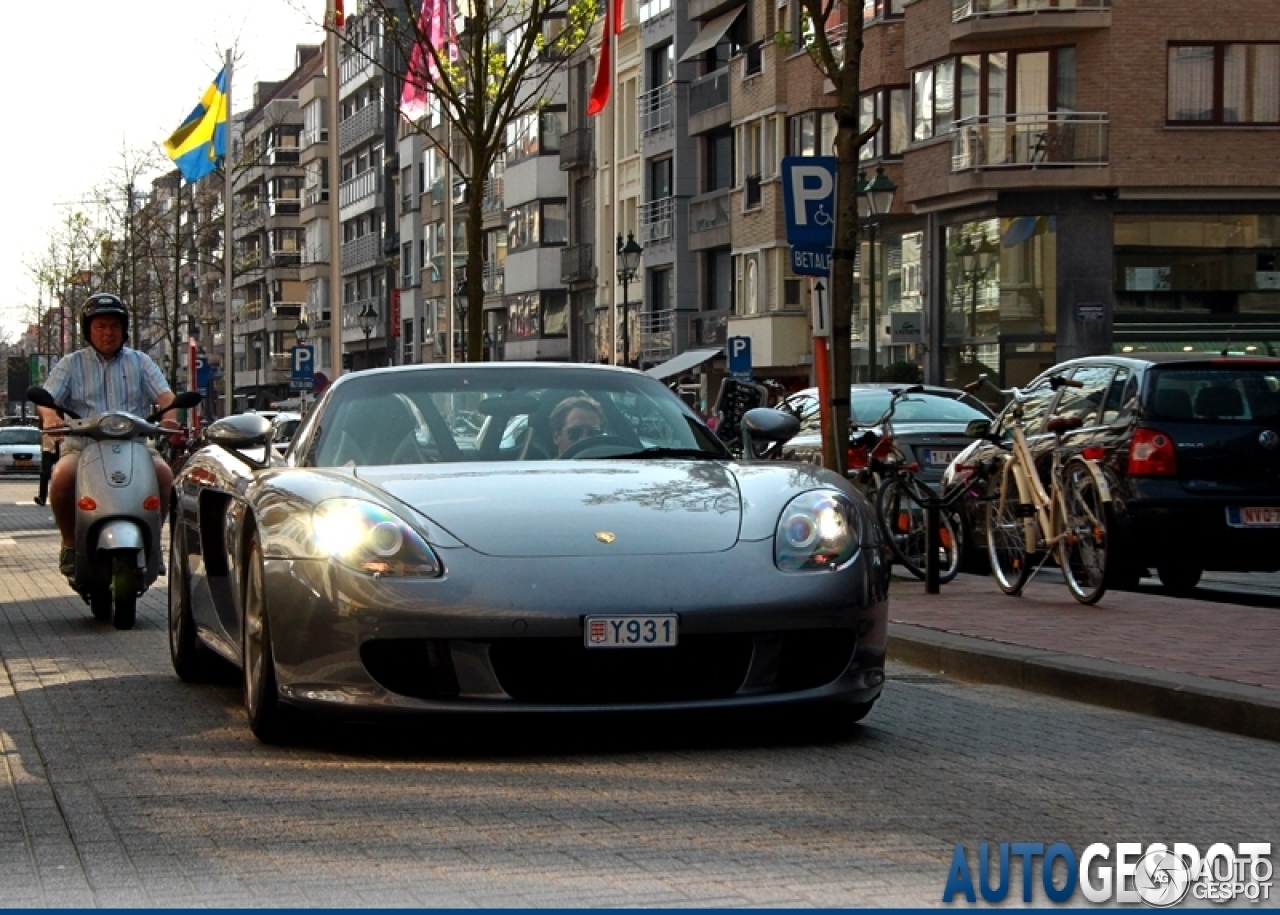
662 452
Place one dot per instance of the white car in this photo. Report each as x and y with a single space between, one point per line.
285 425
19 449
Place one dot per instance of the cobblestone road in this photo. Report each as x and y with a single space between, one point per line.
122 786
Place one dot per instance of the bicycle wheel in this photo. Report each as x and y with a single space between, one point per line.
902 519
1082 551
1006 539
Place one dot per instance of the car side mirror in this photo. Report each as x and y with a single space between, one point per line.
978 428
244 430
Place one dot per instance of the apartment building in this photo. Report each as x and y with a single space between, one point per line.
1073 176
267 292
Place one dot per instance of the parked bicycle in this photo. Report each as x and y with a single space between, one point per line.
1027 524
903 502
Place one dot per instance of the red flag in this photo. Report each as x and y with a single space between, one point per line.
339 18
604 70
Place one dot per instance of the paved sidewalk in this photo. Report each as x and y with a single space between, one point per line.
1196 661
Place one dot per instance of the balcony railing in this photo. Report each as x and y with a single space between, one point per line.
285 156
709 328
655 219
286 206
657 334
577 264
1061 138
710 211
363 252
365 123
312 136
576 148
655 108
980 9
248 260
351 314
362 186
710 91
314 196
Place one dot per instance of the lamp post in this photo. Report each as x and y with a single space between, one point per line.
875 199
628 264
976 262
367 316
302 331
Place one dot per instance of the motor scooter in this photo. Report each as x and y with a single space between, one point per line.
118 519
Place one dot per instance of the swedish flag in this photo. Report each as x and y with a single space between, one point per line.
197 147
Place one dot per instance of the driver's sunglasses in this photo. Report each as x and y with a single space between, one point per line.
578 433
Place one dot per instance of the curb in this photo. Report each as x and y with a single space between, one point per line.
1252 711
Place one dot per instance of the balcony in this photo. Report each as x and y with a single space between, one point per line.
282 260
576 148
657 334
283 156
360 61
989 18
656 108
285 206
1054 140
364 125
710 91
363 186
709 220
314 196
577 264
247 261
313 137
708 328
495 190
361 253
656 219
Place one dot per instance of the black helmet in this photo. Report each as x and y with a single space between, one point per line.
103 303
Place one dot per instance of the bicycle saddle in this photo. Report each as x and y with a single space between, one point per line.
1058 424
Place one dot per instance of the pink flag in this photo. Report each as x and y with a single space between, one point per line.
435 30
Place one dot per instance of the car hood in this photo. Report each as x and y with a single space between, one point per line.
575 508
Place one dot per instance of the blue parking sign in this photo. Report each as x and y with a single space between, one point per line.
739 357
302 361
809 199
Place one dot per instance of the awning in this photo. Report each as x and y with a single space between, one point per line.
710 35
680 364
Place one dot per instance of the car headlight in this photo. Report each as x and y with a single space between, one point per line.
369 538
817 530
116 425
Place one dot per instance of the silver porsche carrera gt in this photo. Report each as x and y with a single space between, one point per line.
520 537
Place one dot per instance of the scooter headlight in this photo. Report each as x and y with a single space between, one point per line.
116 425
817 530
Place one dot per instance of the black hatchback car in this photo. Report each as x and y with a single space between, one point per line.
1191 448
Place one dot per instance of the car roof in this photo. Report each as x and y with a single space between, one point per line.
1165 359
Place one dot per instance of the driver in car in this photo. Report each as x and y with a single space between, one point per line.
574 419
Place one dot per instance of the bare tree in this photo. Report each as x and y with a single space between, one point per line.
508 53
65 270
839 59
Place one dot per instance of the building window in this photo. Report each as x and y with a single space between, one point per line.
1224 84
890 107
719 167
537 223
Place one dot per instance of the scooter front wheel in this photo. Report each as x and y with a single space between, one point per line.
124 590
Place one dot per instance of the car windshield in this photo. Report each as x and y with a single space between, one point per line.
502 413
16 435
924 407
1238 394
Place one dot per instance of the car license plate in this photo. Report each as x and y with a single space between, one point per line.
20 461
1253 517
940 458
631 631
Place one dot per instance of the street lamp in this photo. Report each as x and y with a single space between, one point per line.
628 264
367 316
875 199
976 262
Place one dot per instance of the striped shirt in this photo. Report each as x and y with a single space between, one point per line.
88 383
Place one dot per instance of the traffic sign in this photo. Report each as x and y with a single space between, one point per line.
739 357
809 198
821 309
811 261
302 362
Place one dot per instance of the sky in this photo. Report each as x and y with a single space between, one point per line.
89 84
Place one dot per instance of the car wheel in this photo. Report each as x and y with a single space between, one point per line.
191 660
268 718
1180 578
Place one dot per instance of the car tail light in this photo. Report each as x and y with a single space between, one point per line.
1151 454
857 457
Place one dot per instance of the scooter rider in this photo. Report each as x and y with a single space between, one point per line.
105 375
